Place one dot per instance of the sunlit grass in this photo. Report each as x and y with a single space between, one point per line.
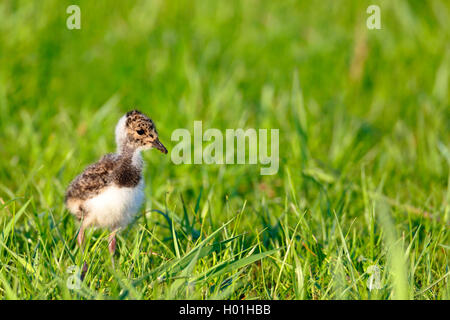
364 122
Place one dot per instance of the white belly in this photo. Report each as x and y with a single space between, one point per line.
115 207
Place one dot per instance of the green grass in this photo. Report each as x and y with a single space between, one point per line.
364 121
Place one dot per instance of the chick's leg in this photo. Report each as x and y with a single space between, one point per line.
80 240
80 237
112 246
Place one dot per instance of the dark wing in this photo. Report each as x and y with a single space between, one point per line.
93 179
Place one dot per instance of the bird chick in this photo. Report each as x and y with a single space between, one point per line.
109 193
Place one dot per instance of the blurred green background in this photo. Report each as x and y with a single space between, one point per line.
364 118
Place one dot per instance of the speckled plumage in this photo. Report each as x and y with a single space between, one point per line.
107 193
111 169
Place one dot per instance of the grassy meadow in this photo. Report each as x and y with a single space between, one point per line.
359 208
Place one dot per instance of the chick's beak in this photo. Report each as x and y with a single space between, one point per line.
158 145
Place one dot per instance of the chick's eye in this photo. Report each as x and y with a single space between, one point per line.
140 132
